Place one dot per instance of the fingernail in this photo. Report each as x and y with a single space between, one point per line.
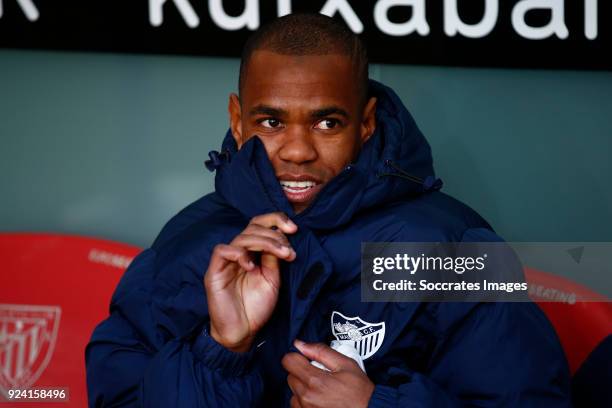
298 344
251 264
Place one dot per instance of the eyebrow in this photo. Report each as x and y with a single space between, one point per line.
318 113
267 110
329 110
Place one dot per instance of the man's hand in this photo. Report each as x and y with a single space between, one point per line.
242 295
345 385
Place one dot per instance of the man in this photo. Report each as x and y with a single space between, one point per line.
244 288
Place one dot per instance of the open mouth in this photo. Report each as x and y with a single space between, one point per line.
300 191
297 186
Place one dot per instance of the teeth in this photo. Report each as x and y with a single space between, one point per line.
297 184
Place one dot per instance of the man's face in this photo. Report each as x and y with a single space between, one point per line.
308 113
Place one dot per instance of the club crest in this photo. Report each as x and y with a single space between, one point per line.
366 337
27 338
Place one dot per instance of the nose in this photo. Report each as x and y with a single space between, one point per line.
297 146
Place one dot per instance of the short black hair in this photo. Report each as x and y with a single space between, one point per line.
308 34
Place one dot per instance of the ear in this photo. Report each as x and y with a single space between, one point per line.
368 124
235 114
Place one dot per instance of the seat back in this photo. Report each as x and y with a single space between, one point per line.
54 289
580 325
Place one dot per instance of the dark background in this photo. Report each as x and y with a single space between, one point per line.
123 26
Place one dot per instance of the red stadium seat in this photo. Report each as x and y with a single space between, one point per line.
580 325
54 290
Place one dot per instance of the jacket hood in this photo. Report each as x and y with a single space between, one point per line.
395 162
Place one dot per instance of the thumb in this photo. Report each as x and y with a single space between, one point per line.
324 354
270 269
269 261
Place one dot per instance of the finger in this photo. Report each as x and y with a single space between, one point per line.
279 220
298 388
325 355
264 244
299 366
223 253
295 402
255 229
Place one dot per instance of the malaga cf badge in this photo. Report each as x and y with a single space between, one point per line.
366 337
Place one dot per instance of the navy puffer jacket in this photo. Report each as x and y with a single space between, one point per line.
154 351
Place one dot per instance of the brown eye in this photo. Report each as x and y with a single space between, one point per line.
326 124
270 123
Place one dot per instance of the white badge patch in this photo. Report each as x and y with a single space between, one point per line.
366 337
